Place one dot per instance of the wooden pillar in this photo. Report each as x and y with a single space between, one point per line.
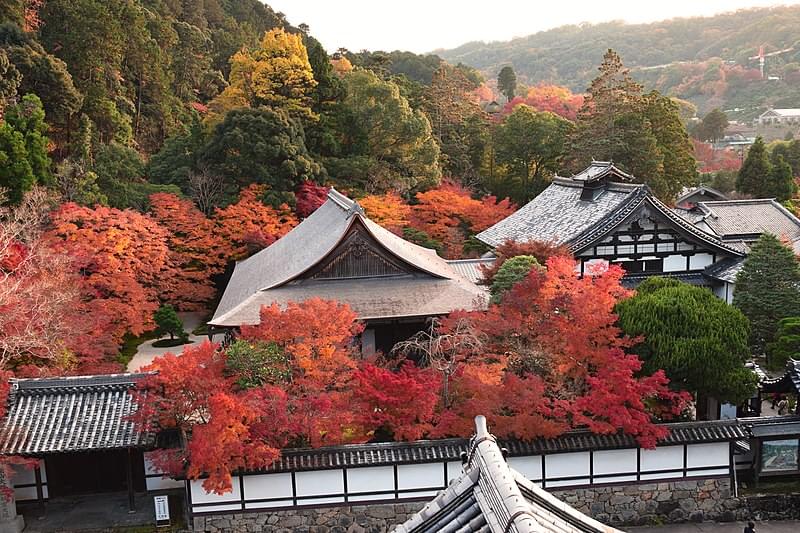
37 472
129 475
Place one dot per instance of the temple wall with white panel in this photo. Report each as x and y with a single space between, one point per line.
420 481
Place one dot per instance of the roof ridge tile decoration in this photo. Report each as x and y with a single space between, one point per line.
492 497
69 414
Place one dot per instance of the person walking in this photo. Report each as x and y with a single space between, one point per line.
783 407
750 528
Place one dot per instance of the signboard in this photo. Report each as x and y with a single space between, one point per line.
162 510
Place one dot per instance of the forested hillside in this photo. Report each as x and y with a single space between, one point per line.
704 60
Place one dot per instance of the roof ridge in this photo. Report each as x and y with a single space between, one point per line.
742 201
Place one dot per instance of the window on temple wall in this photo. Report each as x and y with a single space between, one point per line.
643 266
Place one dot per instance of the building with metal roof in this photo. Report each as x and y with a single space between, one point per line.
491 497
338 253
603 217
691 197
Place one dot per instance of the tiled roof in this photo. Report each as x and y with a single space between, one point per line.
471 268
491 497
271 270
699 193
53 415
725 270
369 298
788 382
773 426
384 453
558 214
748 219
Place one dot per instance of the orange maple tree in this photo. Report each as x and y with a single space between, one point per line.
194 251
122 257
389 210
450 215
552 98
249 225
711 160
542 251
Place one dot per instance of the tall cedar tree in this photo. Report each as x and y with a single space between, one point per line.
553 359
787 343
780 182
507 82
699 341
643 134
753 175
767 289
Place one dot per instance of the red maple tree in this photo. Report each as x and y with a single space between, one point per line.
249 225
310 196
194 251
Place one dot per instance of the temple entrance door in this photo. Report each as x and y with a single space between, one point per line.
92 472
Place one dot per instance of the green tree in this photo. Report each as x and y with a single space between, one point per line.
264 146
77 184
531 145
257 363
27 117
699 341
787 343
712 127
755 169
120 176
780 182
767 289
168 322
511 272
394 141
507 82
9 81
16 175
642 134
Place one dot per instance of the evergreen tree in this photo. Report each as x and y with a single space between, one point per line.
168 322
511 272
767 289
780 182
755 169
9 81
697 339
23 148
507 82
642 134
787 343
712 127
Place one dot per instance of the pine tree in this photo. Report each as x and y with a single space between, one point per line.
768 289
754 171
168 322
699 341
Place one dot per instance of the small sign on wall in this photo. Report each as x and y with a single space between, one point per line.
162 510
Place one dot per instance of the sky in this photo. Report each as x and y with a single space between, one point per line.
425 25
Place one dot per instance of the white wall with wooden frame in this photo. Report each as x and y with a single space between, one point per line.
420 481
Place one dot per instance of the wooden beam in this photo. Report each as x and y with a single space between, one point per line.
129 476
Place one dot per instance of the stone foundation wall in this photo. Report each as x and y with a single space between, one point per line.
618 505
769 507
344 519
655 503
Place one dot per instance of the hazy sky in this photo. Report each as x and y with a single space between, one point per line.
424 25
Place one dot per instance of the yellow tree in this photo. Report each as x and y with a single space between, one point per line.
276 74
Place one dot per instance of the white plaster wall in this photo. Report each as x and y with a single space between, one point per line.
566 465
698 261
614 461
704 455
268 486
370 479
158 483
25 476
420 476
663 458
530 467
674 263
319 482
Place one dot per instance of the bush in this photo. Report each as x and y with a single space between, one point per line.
512 271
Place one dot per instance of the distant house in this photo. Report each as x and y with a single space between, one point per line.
603 218
690 198
337 253
775 117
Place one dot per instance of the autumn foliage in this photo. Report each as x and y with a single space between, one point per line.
552 98
449 214
388 210
711 160
551 358
195 251
542 251
249 225
310 196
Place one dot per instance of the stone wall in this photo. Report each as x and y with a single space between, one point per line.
769 507
342 519
655 503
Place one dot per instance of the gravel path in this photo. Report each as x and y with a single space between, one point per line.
147 352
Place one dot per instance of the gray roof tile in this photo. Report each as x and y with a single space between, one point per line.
748 219
54 415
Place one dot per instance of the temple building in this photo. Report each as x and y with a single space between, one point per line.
337 253
603 217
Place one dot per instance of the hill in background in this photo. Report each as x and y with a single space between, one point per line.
703 60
